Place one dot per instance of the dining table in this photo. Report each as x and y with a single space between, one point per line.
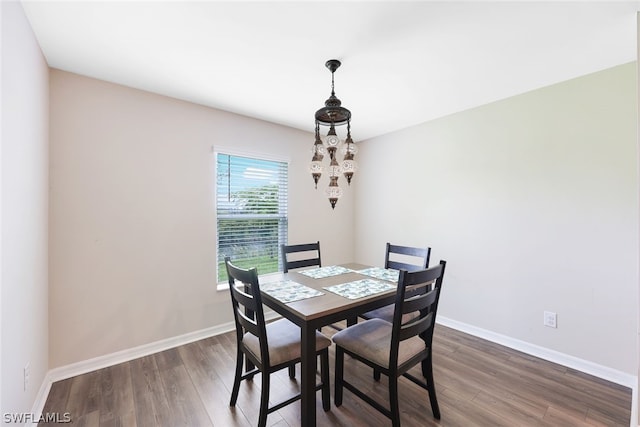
322 296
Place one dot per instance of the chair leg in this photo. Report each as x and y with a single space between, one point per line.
424 365
324 375
376 374
292 371
393 400
339 375
264 400
427 371
249 366
236 381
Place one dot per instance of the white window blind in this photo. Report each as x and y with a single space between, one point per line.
251 205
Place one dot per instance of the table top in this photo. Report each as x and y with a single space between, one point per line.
328 306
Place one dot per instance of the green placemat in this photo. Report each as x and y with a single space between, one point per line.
322 272
381 273
289 291
360 288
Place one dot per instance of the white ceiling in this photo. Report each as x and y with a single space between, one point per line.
403 63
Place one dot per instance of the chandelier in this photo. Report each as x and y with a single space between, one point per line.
332 115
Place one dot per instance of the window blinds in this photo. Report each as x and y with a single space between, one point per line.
251 207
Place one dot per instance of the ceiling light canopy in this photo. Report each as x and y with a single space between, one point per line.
333 114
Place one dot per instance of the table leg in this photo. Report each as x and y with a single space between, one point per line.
308 374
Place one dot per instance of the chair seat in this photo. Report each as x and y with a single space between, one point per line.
371 340
386 313
284 342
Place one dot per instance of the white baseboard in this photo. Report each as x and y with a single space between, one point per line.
41 399
100 362
578 364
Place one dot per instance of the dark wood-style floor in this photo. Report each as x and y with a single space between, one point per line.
478 384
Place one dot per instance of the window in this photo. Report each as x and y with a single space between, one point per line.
251 204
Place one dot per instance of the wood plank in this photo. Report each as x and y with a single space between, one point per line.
117 393
120 420
88 419
57 400
168 359
183 398
199 360
84 396
151 404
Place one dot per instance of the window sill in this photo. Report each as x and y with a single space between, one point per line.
262 278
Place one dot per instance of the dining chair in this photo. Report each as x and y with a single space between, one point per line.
310 252
310 257
400 258
268 347
394 348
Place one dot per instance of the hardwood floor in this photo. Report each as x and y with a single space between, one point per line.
478 383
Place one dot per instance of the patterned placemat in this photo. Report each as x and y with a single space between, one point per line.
381 273
360 288
289 291
322 272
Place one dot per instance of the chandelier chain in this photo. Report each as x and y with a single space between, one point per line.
333 92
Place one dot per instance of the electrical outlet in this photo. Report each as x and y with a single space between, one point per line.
550 319
26 374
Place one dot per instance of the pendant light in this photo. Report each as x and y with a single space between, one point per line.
333 114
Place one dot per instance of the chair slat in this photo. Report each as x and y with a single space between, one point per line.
248 324
303 263
424 276
396 265
243 299
415 327
419 302
407 250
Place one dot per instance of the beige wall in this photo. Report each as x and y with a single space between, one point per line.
24 177
133 218
533 201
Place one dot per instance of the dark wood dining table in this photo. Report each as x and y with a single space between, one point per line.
316 312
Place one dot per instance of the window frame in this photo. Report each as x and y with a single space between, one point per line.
257 155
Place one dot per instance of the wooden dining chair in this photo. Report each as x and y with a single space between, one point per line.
298 256
304 255
394 348
268 347
400 258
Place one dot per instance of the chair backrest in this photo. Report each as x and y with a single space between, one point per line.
406 257
247 306
304 255
417 292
